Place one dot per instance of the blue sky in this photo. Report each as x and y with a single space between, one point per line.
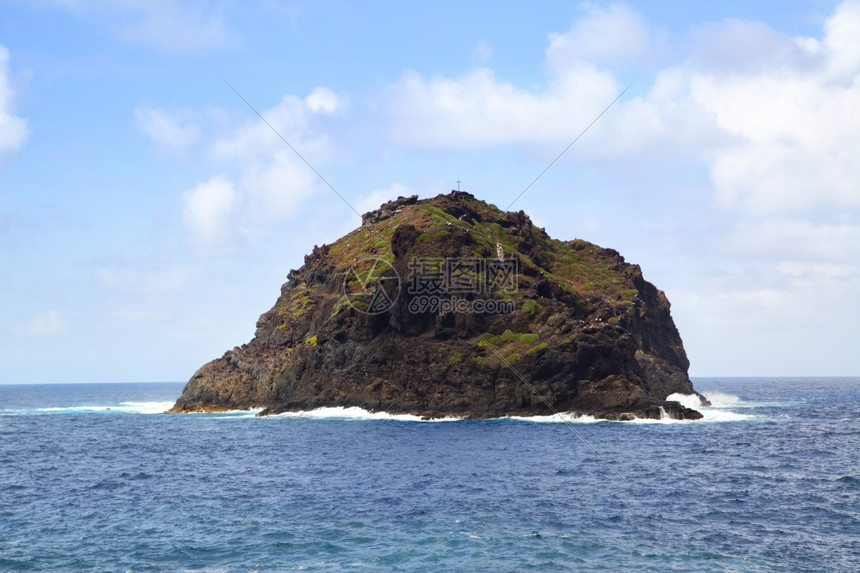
147 216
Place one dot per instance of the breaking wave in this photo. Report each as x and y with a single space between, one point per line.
561 417
718 411
721 410
356 413
122 407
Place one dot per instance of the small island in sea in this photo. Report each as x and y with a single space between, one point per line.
451 307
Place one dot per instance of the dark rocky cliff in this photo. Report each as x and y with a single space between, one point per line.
384 320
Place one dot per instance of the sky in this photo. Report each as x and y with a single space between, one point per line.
148 217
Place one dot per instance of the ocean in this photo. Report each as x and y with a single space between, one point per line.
95 477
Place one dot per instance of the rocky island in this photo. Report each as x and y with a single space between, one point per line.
452 307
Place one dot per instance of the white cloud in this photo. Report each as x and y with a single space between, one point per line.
795 144
46 323
208 209
773 118
776 115
377 197
779 273
815 272
791 296
479 110
481 54
273 190
129 279
840 42
269 181
13 129
733 46
168 26
171 132
323 100
782 300
796 240
254 140
610 36
146 292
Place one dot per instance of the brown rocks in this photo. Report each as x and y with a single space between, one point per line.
574 329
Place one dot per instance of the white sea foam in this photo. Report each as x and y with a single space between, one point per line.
686 400
557 418
234 414
721 400
654 421
356 413
718 411
122 407
708 415
146 407
711 414
718 415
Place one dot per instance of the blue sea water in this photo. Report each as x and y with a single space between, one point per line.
93 477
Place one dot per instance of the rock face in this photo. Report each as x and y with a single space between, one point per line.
451 307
